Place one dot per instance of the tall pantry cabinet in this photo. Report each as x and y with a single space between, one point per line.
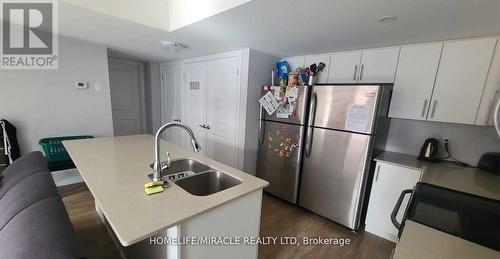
218 100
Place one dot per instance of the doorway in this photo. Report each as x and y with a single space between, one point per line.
127 96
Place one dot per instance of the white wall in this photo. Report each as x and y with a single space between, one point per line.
45 103
467 142
257 74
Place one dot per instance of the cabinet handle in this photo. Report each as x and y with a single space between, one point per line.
207 126
378 171
203 126
361 72
355 73
433 108
423 110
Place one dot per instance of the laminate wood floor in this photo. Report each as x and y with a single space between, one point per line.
279 219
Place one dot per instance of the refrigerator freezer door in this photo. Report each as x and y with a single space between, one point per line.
279 158
333 175
300 108
346 107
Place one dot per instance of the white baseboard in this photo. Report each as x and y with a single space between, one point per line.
67 177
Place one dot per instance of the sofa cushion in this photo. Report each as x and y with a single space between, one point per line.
21 168
30 190
43 230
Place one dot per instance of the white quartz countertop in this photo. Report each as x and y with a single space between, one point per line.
115 170
464 179
419 241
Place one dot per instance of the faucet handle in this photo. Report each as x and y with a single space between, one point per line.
167 162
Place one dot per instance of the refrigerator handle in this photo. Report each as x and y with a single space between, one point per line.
310 123
261 126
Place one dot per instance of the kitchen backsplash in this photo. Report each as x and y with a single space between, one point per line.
467 142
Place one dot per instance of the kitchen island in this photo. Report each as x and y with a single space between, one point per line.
115 170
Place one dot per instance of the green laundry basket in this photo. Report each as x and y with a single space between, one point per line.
54 149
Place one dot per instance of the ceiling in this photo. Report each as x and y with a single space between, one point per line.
290 27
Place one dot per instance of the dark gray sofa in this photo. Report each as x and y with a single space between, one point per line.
33 220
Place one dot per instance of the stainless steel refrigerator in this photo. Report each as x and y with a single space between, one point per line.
336 132
347 127
280 148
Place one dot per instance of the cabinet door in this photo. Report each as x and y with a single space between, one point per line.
378 65
171 100
295 62
344 67
388 183
460 80
325 58
417 68
222 109
194 91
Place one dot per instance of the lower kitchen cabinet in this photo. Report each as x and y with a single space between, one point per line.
388 183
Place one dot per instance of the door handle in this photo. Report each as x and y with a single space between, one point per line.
433 108
361 72
423 110
310 123
397 207
355 73
261 126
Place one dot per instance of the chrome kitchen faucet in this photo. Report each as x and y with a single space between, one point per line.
159 165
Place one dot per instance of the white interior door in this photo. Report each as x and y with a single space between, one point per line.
344 67
378 65
222 109
194 91
127 97
414 82
460 80
171 100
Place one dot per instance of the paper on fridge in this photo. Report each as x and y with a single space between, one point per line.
358 117
269 103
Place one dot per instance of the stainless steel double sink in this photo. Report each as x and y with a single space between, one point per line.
197 178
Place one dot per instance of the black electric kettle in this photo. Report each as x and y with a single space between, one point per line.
429 151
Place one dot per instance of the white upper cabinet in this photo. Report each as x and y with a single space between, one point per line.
295 62
460 80
344 67
367 66
414 81
378 65
325 58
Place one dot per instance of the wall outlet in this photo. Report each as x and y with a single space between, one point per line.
446 140
97 87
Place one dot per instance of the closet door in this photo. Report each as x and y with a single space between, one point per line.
171 100
194 93
223 89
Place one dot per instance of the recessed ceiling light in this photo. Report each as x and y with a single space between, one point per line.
386 19
172 46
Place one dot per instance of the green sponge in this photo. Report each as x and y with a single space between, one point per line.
153 189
